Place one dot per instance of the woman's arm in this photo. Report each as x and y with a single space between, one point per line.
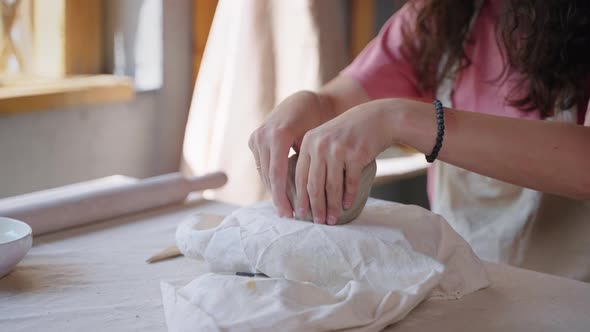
339 95
541 155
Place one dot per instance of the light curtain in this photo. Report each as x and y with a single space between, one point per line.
258 52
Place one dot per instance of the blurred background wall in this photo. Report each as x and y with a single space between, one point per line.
141 138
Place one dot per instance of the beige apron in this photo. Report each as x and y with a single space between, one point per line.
510 224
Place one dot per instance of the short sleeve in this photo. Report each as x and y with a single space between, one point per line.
380 68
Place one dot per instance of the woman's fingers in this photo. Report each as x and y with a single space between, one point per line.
351 184
257 160
264 155
316 184
301 174
334 183
254 148
278 177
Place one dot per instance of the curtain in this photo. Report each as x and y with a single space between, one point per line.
258 53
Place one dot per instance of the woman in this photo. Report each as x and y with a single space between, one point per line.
513 76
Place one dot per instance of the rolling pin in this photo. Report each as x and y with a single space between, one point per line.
54 214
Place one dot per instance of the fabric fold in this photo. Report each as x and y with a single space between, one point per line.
361 276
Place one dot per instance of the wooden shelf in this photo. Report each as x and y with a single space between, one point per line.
34 94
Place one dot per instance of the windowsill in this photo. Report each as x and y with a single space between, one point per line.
34 95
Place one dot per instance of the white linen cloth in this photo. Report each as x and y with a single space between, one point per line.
361 276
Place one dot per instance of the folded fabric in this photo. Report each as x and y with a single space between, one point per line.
361 276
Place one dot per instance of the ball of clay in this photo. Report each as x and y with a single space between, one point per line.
346 215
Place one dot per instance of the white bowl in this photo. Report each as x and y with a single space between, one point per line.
15 241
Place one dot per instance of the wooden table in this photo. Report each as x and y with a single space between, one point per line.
94 278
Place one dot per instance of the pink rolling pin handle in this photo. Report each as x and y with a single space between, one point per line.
209 181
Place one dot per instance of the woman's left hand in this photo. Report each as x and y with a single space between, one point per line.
333 155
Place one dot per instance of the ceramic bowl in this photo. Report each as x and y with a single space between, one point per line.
16 239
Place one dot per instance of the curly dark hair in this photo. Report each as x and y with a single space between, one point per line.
549 44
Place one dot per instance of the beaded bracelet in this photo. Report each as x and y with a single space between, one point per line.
440 119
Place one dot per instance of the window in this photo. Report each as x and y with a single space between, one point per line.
16 39
52 54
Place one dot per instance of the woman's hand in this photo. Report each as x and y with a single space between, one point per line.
287 125
333 155
284 129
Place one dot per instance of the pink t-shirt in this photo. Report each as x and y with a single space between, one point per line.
384 73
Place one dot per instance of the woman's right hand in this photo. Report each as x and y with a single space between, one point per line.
289 122
284 129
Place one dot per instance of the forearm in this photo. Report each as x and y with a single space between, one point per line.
340 95
314 108
334 98
541 155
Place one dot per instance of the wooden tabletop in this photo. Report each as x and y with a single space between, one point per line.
95 278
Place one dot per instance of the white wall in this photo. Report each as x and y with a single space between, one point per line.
141 138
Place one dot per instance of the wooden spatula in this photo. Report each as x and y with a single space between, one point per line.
206 221
168 253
